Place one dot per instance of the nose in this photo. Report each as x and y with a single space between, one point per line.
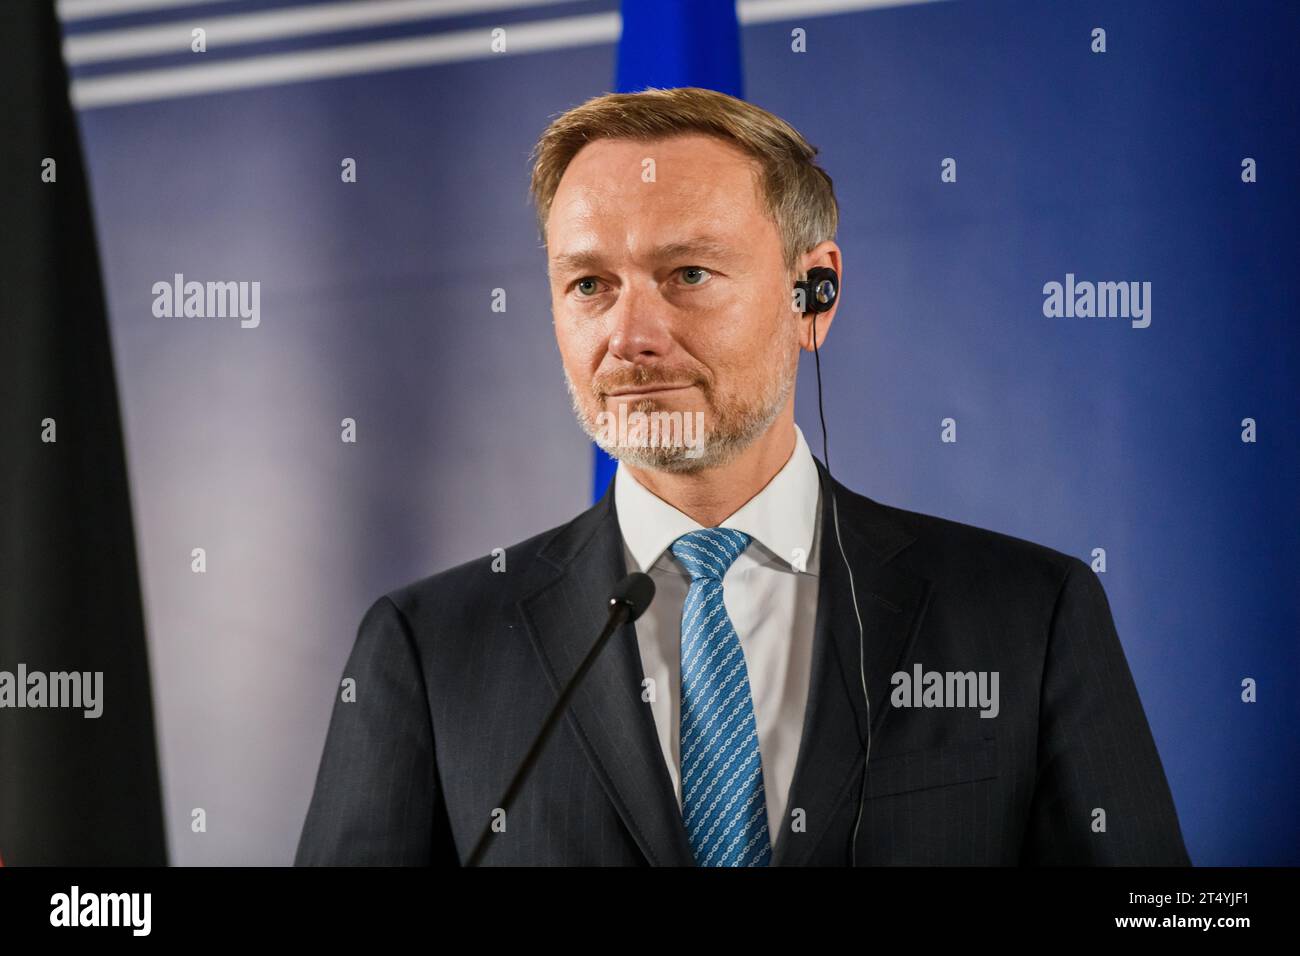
639 325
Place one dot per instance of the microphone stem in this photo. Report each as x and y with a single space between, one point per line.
617 615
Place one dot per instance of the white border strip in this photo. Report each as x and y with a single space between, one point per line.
271 70
765 11
271 25
70 10
376 57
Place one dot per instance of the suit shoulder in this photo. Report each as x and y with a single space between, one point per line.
499 576
944 547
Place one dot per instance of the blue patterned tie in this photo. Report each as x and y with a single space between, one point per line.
723 803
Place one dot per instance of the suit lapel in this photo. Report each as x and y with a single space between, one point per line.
607 715
567 609
891 603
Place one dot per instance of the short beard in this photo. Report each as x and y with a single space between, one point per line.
732 426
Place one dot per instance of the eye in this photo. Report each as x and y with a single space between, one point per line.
587 286
694 275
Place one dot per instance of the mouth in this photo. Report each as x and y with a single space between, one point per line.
648 391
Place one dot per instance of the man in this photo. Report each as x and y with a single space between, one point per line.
814 626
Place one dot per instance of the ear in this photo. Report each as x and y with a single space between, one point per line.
826 254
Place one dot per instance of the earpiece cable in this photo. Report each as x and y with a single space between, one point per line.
862 667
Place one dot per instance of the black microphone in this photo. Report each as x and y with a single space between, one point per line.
628 602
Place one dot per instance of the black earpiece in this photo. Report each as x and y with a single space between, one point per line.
820 289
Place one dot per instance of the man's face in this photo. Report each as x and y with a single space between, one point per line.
670 295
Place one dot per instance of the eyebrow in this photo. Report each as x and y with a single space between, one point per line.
703 246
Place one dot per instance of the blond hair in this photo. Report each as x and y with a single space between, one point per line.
799 196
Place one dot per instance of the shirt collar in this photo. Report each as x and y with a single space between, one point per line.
782 517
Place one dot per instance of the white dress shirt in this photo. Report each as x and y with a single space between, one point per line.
770 593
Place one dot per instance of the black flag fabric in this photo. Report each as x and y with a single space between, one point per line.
79 781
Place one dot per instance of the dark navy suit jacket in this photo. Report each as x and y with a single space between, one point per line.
455 673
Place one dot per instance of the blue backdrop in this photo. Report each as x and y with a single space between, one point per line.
376 305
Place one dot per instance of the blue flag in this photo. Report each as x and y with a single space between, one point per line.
667 43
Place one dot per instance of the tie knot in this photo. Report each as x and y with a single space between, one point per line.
707 553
